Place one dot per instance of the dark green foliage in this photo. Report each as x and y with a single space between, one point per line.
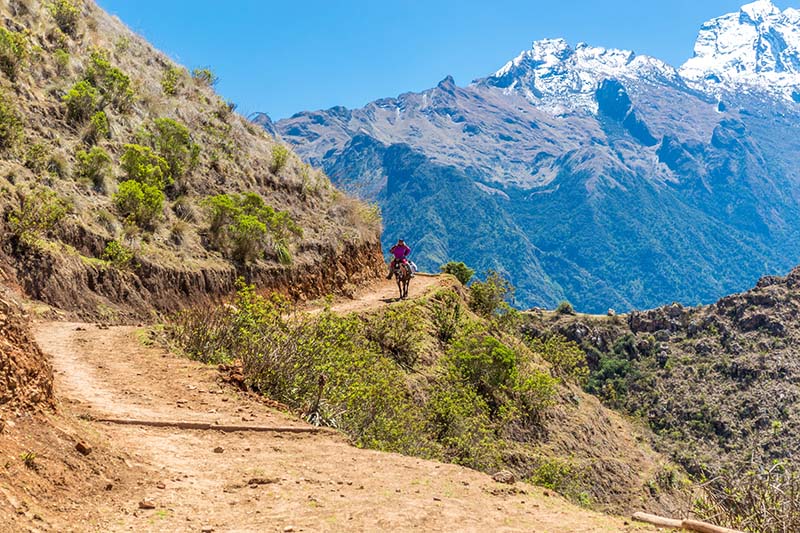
82 101
140 164
66 15
38 213
486 364
140 203
490 297
565 308
399 331
458 269
204 76
113 85
93 166
13 51
244 228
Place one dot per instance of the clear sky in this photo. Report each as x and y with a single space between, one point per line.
285 56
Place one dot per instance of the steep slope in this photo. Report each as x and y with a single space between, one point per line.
617 181
110 158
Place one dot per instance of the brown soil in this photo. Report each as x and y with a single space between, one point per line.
309 482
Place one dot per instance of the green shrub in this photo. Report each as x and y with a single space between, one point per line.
565 308
280 156
36 157
204 76
139 202
170 80
62 59
113 85
118 255
490 297
461 271
82 101
66 15
93 166
536 391
38 213
141 164
567 358
446 316
99 127
13 51
244 228
560 476
486 363
173 142
399 333
10 125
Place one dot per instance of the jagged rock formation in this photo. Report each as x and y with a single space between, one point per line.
598 176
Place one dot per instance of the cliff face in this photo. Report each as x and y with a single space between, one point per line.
127 184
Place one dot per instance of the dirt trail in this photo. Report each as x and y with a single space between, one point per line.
306 482
383 292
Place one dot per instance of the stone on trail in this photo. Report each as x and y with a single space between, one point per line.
504 476
147 503
83 448
219 449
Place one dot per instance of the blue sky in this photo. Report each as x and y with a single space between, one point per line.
288 56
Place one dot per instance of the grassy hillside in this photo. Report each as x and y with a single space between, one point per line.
129 177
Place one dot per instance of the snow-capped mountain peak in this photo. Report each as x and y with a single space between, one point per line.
554 75
759 47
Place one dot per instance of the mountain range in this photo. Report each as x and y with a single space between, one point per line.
592 175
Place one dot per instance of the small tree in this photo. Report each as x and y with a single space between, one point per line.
280 156
173 141
141 164
565 308
113 84
38 212
458 269
488 297
99 127
204 76
118 255
139 202
170 80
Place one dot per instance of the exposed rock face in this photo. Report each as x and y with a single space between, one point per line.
615 179
26 378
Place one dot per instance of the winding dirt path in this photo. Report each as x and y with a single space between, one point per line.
263 482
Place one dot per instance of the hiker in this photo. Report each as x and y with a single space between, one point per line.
400 251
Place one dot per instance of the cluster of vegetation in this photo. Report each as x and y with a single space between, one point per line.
10 125
170 80
13 52
66 15
103 85
426 378
204 76
140 198
244 228
280 156
93 166
462 272
38 212
118 255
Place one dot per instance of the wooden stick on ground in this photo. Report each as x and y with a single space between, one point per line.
658 520
702 527
691 525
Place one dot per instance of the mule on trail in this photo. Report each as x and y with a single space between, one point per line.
402 273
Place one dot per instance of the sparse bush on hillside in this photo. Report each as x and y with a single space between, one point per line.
245 228
62 59
66 15
446 316
38 213
139 202
486 363
173 141
488 298
566 357
399 332
170 80
37 155
99 128
565 308
13 51
458 269
204 76
141 164
81 101
280 156
10 125
93 166
118 255
113 85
